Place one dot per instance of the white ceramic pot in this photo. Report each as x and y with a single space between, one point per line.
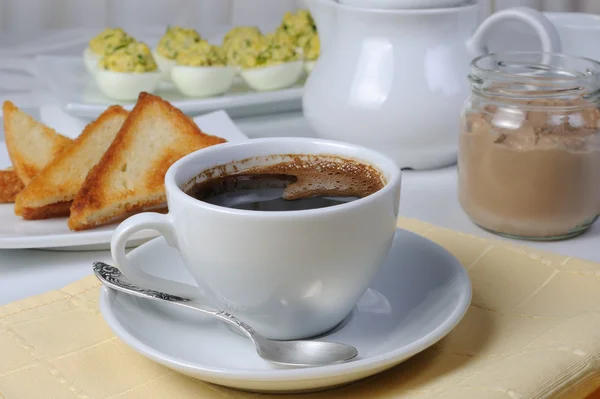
579 33
403 4
396 80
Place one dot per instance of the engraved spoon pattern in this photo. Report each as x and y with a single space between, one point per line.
300 353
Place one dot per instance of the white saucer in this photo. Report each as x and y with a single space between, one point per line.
418 297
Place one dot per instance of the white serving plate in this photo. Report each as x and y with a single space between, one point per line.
17 233
68 80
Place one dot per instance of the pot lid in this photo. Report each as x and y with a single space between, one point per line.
404 4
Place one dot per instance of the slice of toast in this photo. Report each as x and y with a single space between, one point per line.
50 193
31 145
130 176
10 185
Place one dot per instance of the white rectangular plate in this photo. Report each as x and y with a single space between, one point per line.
68 80
54 233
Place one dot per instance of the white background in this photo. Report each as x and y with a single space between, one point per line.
30 17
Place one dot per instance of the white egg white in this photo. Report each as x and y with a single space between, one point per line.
164 65
196 81
126 86
309 66
273 77
90 60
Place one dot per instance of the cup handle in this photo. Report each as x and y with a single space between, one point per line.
549 37
152 221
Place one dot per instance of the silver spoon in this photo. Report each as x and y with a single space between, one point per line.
291 353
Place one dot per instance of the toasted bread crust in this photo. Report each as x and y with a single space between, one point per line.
10 186
61 179
46 212
29 163
155 133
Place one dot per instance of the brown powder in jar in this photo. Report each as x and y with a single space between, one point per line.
530 173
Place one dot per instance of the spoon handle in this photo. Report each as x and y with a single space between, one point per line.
113 278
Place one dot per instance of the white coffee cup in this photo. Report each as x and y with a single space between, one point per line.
288 274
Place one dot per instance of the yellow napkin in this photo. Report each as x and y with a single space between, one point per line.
532 331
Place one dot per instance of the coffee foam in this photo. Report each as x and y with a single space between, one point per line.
316 175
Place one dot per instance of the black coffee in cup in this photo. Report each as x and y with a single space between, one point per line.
300 182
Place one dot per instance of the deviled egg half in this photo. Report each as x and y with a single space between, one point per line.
283 39
105 43
175 40
298 24
239 32
128 71
240 41
301 28
277 65
312 50
201 70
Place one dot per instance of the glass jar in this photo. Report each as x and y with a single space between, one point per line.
529 146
